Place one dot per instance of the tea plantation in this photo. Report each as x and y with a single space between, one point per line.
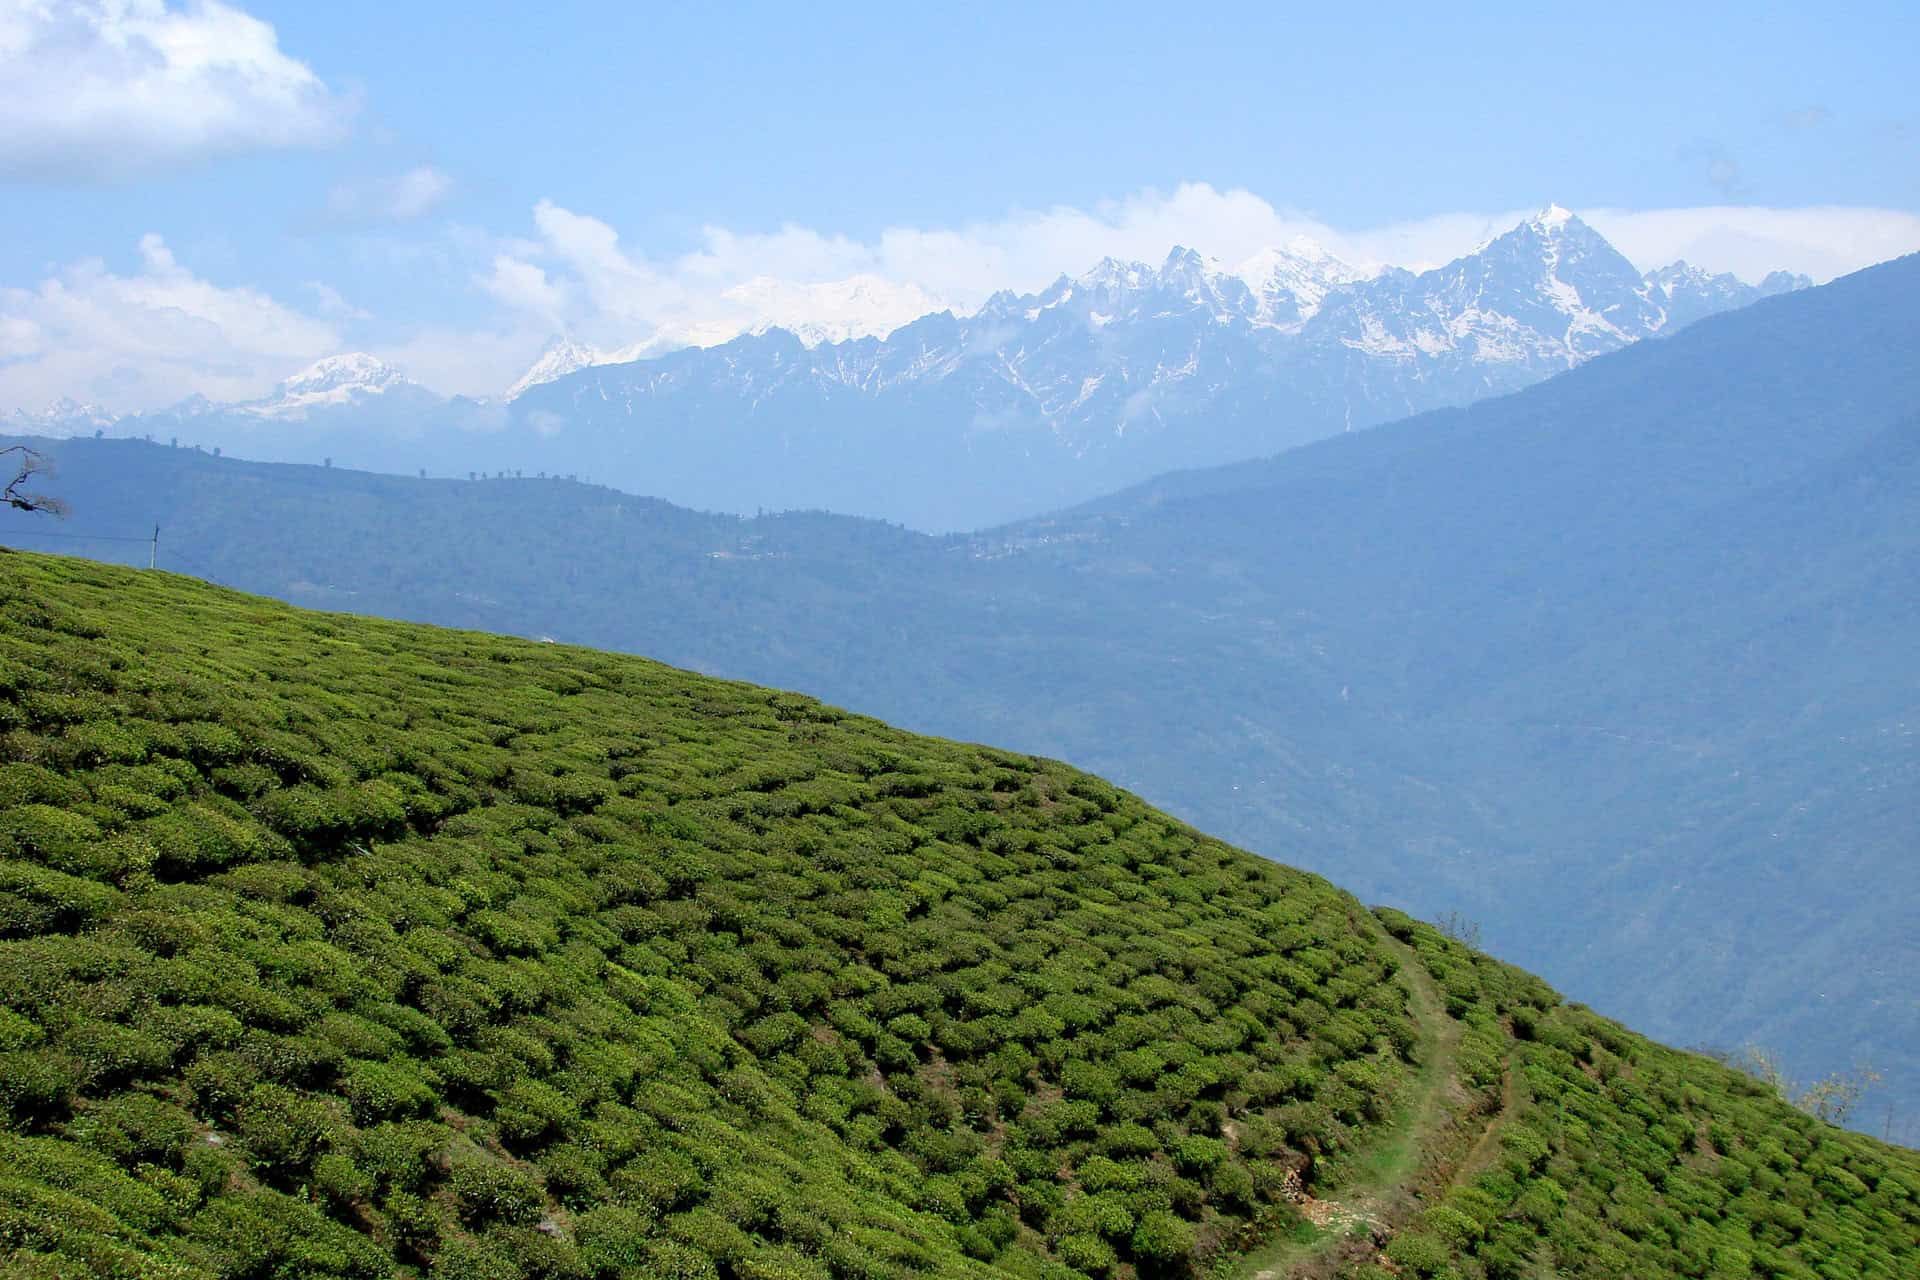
341 948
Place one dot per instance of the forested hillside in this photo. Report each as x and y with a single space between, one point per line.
1620 667
336 947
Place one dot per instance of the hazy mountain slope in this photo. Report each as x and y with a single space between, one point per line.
1622 666
945 638
948 635
350 406
335 947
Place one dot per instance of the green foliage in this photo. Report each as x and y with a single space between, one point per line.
488 1191
498 955
1623 1157
1419 1254
360 949
1163 1240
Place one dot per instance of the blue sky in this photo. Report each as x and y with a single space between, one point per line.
449 185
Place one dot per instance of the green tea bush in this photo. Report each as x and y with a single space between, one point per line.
488 1191
336 948
1627 1158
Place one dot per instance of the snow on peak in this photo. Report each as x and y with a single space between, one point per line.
66 407
336 380
1113 274
1289 284
860 306
353 371
1307 249
1183 269
1677 275
817 313
1184 261
1187 270
64 417
1299 260
562 357
1553 218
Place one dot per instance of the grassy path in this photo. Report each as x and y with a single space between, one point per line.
1484 1151
1385 1174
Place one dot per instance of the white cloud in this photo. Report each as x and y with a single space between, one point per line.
148 338
579 276
98 90
395 199
525 287
617 285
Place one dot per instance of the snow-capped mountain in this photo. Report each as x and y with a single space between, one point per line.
342 380
1550 292
64 417
353 407
1290 283
1686 293
1101 379
562 357
861 306
1034 402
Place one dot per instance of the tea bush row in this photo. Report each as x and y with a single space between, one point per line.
1626 1158
330 947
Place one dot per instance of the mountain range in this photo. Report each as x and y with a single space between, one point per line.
1032 403
1620 666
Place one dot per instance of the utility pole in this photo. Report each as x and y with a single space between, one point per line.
153 554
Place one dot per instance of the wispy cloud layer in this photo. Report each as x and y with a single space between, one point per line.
101 90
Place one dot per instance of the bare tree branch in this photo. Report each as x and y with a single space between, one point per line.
29 464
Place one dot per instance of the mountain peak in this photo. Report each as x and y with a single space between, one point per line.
1111 273
562 356
344 379
68 407
1299 258
350 371
1192 274
1784 282
1307 249
1181 258
1290 283
63 417
1555 240
1554 218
